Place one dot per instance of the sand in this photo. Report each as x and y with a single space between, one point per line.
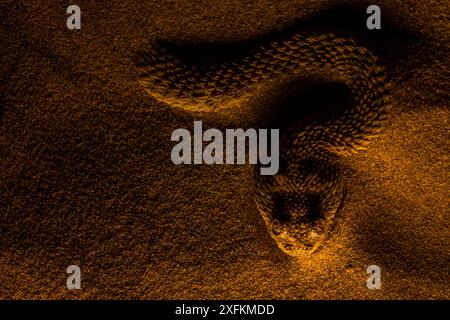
86 176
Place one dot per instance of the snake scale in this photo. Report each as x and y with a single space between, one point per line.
298 204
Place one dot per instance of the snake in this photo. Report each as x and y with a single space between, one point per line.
300 203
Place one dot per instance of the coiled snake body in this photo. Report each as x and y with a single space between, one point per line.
298 204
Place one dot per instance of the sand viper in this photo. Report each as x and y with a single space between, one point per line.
298 204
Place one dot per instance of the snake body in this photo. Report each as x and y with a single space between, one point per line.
298 204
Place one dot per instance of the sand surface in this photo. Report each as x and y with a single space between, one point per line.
86 176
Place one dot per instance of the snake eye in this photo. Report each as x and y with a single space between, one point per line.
277 228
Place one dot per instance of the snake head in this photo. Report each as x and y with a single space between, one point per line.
299 204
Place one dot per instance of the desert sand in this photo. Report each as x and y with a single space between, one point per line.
86 176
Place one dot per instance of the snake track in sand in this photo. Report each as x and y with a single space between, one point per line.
298 204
